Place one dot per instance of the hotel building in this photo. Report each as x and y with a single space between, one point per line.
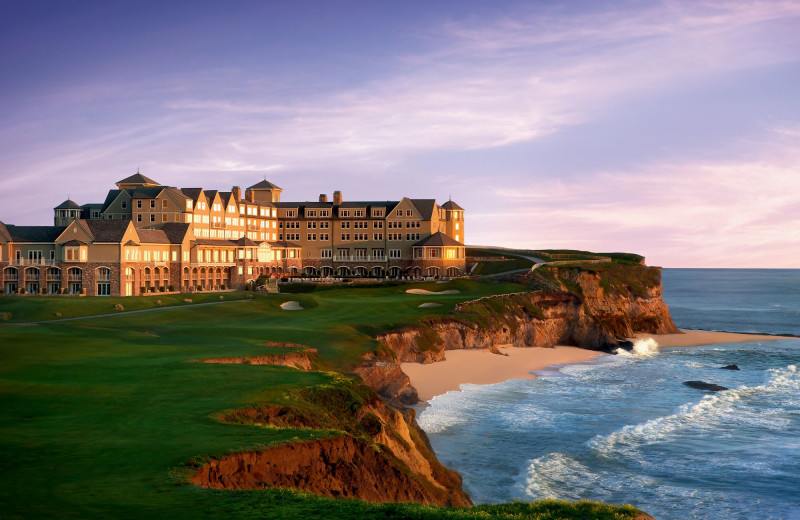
148 238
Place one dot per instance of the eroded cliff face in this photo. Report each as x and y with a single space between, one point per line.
383 457
593 309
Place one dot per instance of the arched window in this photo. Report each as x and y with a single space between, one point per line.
103 279
75 278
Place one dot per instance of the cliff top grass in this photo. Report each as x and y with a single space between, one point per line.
99 415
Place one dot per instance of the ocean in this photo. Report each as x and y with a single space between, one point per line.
625 429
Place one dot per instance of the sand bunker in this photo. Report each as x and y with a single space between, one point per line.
428 305
291 306
423 291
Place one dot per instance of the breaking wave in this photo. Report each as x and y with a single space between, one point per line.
646 347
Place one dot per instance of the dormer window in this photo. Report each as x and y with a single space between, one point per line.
189 205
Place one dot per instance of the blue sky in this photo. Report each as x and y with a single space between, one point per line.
670 128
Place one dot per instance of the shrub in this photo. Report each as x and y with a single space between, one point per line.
298 287
199 287
171 288
142 289
222 287
118 307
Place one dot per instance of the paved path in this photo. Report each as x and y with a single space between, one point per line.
121 313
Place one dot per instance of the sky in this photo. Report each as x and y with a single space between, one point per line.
666 128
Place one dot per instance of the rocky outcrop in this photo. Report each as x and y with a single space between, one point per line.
592 308
702 385
299 360
342 467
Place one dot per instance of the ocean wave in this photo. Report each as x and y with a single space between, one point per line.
647 347
726 407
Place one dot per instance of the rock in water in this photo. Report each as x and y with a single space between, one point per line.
702 385
730 367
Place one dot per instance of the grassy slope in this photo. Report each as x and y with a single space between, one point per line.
100 416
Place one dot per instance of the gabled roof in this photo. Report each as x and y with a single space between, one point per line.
225 197
438 239
451 205
68 204
146 192
244 241
33 233
106 230
425 207
284 244
264 185
74 243
137 178
192 193
152 236
175 192
210 194
4 232
175 231
111 197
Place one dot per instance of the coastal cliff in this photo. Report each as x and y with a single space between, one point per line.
377 453
594 308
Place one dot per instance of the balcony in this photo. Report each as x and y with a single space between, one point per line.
33 261
218 225
367 258
75 278
253 227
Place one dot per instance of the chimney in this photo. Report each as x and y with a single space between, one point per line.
236 191
251 195
323 197
337 197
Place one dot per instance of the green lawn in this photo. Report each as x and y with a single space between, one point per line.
100 416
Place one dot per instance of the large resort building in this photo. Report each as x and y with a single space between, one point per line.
149 238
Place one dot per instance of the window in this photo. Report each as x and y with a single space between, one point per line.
399 212
324 236
291 213
164 203
152 203
312 236
163 217
394 253
394 236
434 253
377 254
152 217
345 237
377 212
409 213
324 225
312 225
138 217
71 254
186 256
343 254
325 253
124 204
139 204
189 205
378 224
377 236
358 213
324 213
345 225
311 213
344 213
360 236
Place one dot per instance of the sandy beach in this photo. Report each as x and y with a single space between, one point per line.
482 367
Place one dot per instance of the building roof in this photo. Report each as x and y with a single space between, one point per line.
106 230
137 178
175 231
210 194
451 205
152 236
93 205
111 197
438 239
264 185
33 233
68 204
425 207
244 241
146 192
74 242
214 242
284 244
192 193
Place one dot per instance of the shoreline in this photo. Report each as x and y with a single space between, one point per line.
483 367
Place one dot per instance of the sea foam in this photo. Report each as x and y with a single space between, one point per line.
646 347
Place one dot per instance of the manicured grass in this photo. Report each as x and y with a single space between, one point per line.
99 417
